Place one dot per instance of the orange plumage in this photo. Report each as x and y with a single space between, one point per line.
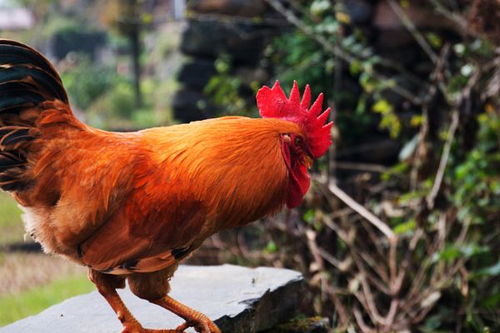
132 205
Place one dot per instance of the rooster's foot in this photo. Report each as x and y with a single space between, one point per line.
202 324
133 326
137 328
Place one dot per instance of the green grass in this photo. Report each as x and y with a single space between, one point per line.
30 302
10 214
11 227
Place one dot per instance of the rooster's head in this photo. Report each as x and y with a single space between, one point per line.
299 149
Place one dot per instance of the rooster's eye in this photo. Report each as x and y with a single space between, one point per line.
298 140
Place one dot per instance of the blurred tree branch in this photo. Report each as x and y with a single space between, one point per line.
347 57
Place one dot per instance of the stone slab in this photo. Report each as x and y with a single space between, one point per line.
238 299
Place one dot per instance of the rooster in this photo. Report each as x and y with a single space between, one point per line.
131 206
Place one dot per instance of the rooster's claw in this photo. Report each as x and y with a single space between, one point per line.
203 325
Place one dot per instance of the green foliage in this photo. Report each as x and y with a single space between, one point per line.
405 227
116 103
107 98
116 108
121 100
476 179
446 245
224 89
445 230
476 193
271 247
87 81
389 120
297 57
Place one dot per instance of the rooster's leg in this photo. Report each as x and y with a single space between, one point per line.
155 287
193 318
106 285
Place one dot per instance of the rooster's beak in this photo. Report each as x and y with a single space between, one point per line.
308 161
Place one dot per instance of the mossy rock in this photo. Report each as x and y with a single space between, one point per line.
303 325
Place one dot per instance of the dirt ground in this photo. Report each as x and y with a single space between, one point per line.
23 271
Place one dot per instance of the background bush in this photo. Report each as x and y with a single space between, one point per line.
436 267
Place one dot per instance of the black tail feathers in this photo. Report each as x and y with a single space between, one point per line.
27 79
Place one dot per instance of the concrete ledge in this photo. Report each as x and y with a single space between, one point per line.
238 299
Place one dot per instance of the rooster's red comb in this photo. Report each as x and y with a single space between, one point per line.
273 103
